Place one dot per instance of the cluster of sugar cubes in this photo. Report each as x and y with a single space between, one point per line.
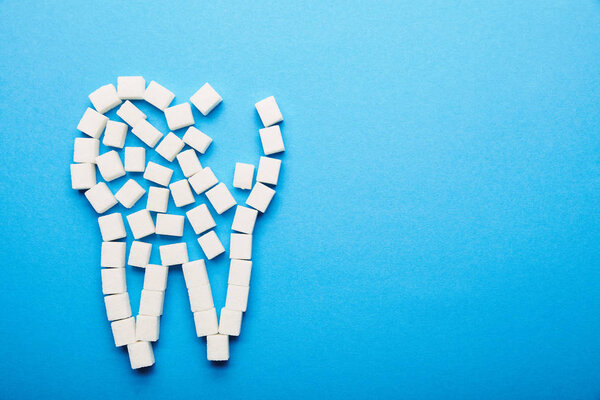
138 333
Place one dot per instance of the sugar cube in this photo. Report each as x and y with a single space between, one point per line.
200 219
135 159
206 322
113 280
271 140
200 298
155 277
239 272
173 254
123 331
220 198
211 245
131 87
146 132
197 139
147 328
242 177
188 162
110 165
117 306
231 322
179 116
217 347
114 134
151 302
194 273
112 227
105 98
139 254
141 224
158 199
244 219
140 355
158 95
237 297
86 150
100 197
83 176
268 170
269 111
169 224
260 197
240 246
130 193
157 173
92 123
182 194
129 113
203 180
170 146
205 99
112 254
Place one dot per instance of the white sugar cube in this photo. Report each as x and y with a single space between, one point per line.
170 147
217 347
112 227
140 355
158 95
100 197
113 280
169 224
110 165
200 219
157 173
92 123
129 113
123 331
271 140
135 159
200 298
197 139
240 246
220 198
112 254
147 328
85 150
155 277
158 199
206 322
130 193
244 219
231 322
179 116
105 98
151 302
260 197
239 272
141 224
237 298
205 99
139 254
269 111
114 134
203 180
194 273
211 245
83 176
188 162
117 306
146 132
182 194
242 177
268 170
131 87
173 254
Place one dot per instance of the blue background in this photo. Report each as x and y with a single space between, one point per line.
435 231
